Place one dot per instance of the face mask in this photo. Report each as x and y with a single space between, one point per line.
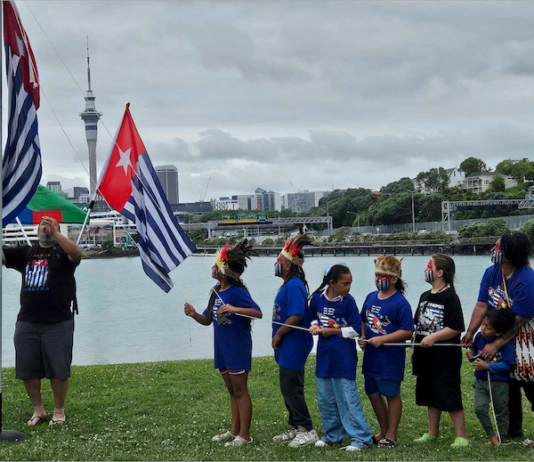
496 254
215 272
429 273
383 282
279 267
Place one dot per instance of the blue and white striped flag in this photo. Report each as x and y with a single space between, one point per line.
129 184
21 162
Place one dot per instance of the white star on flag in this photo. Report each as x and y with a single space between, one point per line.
124 162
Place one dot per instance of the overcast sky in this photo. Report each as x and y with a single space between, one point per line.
342 94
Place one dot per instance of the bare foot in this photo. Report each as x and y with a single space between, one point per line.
494 440
58 417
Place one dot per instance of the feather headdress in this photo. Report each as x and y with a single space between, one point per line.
293 248
238 254
388 265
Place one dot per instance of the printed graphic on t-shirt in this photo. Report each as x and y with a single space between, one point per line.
276 309
376 321
497 297
524 353
217 303
430 318
328 318
36 275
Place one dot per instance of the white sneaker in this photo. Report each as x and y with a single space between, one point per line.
304 438
223 437
287 436
351 448
237 441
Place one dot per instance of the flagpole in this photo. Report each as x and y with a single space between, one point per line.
89 210
24 232
5 435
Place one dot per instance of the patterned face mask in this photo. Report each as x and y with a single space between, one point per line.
429 273
279 267
496 254
382 282
215 272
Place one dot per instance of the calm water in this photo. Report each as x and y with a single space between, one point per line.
124 317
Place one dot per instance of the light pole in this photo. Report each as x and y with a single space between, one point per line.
413 214
355 214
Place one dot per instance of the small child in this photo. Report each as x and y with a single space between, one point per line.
387 317
495 388
338 323
439 319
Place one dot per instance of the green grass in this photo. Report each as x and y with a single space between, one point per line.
170 411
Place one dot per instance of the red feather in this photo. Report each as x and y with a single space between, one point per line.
224 252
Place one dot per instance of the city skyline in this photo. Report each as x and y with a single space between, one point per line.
257 98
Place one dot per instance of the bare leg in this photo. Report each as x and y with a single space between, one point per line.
233 404
59 389
458 419
33 388
244 403
434 418
381 412
394 417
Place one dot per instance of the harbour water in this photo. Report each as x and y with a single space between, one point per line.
124 317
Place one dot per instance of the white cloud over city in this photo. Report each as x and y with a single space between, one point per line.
254 94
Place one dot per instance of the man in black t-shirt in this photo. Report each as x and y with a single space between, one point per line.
45 324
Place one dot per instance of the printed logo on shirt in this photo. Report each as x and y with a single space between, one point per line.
497 297
276 309
216 305
36 275
328 318
376 321
430 318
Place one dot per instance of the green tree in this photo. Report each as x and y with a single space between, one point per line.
395 187
506 166
528 229
497 184
522 169
473 165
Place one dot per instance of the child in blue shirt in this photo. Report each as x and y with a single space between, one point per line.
492 379
338 324
232 337
387 317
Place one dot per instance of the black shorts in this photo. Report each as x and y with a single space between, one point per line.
43 349
443 395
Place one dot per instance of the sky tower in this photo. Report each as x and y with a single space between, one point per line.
90 117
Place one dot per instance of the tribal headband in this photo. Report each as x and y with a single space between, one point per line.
388 265
293 248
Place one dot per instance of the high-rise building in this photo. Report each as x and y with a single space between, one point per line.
78 191
302 201
54 186
91 117
168 177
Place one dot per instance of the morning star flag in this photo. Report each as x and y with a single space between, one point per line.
130 185
46 203
21 162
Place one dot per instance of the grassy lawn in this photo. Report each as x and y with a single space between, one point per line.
170 411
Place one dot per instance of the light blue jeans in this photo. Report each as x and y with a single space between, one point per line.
341 411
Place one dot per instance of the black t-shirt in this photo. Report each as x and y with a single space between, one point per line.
434 313
48 285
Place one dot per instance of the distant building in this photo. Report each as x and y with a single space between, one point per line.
168 177
480 182
78 191
302 201
225 203
54 186
193 208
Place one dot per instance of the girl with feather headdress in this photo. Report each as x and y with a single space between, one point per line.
291 346
232 336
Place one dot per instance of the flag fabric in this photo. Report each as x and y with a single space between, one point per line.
130 185
21 163
46 203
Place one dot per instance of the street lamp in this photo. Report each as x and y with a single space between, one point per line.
355 214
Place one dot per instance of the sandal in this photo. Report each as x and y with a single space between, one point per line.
37 420
375 440
56 422
386 443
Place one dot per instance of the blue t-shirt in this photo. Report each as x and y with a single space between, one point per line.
382 317
520 290
336 356
501 364
232 340
295 346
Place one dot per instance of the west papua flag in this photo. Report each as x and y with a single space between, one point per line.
130 185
